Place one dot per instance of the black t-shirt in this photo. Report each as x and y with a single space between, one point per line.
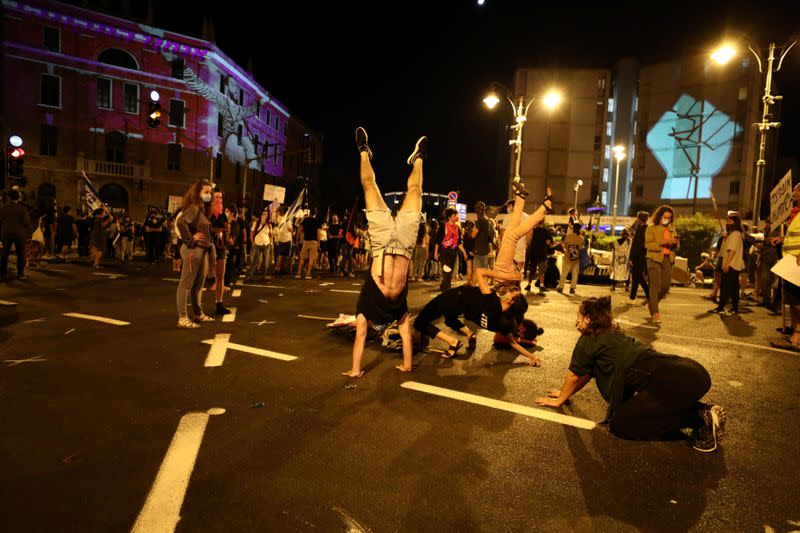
539 243
65 224
48 220
482 238
218 233
483 309
333 233
153 226
376 307
423 228
310 227
469 243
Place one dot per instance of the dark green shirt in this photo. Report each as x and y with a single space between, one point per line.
606 357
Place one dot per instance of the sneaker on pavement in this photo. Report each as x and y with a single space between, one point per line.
362 141
222 310
308 277
572 291
708 436
559 289
297 276
420 151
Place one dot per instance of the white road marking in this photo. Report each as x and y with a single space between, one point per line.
236 293
15 362
6 302
34 320
111 276
353 525
264 301
161 511
326 284
216 354
356 284
735 383
340 290
262 286
250 350
525 410
99 319
769 348
68 332
263 322
230 317
623 320
176 280
312 317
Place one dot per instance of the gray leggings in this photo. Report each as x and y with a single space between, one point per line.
193 273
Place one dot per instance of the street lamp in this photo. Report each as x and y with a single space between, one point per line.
578 185
725 53
551 101
619 155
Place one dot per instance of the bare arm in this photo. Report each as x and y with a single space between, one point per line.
404 327
481 274
534 361
572 384
358 347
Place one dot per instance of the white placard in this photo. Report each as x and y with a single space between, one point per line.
787 269
780 200
274 192
174 203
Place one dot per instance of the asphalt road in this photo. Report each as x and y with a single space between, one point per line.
91 408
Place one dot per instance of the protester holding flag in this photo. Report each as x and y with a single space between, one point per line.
98 238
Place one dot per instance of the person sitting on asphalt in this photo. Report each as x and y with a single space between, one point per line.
650 395
383 297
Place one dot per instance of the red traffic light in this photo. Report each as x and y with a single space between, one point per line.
16 153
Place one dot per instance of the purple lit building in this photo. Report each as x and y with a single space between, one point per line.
77 87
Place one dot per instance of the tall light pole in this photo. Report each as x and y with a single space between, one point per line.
577 188
722 55
550 100
619 155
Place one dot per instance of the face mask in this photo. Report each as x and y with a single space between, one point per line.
665 221
206 198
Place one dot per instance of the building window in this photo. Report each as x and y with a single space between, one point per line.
608 151
238 176
177 117
608 129
219 125
131 97
118 58
222 84
52 40
239 135
115 147
742 93
639 191
601 82
605 175
177 68
734 188
48 138
267 118
610 105
104 93
255 143
241 96
275 155
174 156
277 122
285 128
51 90
218 167
597 142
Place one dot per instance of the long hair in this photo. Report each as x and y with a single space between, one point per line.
599 312
192 196
737 222
531 330
656 219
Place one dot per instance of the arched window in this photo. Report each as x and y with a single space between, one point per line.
114 195
120 58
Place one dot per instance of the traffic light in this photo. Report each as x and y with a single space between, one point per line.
153 111
16 162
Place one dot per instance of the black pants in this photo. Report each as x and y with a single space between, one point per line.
669 402
445 304
638 270
152 242
333 253
19 246
232 265
447 257
729 289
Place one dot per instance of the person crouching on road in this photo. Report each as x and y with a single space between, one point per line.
649 394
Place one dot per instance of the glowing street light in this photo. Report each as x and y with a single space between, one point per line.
722 55
578 186
520 109
154 96
15 141
619 155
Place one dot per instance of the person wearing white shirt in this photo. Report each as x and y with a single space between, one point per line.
732 265
261 241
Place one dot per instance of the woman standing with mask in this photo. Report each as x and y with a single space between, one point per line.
195 231
732 253
219 228
661 241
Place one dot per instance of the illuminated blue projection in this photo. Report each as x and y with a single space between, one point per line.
692 142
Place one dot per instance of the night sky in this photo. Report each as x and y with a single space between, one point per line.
423 68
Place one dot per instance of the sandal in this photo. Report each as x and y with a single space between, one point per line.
548 198
185 323
785 345
452 351
519 189
204 318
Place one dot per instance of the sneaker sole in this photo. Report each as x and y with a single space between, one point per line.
366 142
415 153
